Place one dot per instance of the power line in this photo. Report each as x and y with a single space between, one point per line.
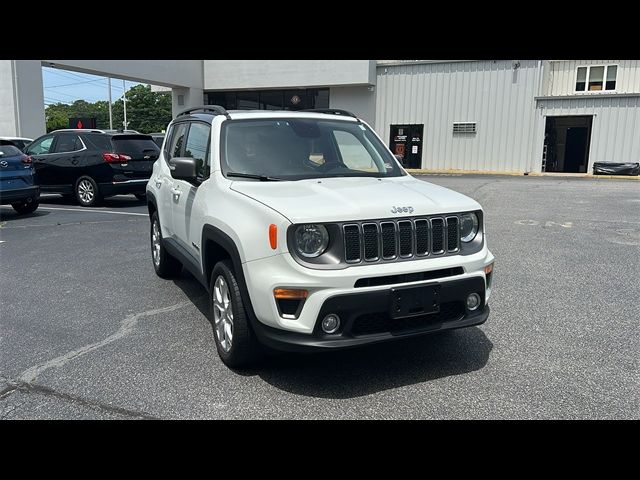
54 98
78 83
68 74
67 95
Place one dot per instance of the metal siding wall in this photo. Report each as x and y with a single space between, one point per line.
562 76
486 92
615 134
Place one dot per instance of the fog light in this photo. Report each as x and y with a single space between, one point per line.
330 323
473 301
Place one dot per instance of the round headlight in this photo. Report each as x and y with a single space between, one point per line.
468 227
311 240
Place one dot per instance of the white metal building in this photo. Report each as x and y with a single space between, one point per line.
487 115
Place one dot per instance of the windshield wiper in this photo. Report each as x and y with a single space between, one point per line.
262 178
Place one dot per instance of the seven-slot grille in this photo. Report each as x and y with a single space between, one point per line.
397 239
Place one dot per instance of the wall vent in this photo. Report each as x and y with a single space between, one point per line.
464 127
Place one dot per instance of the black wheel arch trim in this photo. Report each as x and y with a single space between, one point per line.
209 232
151 199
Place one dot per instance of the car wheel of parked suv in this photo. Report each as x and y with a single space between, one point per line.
87 192
25 207
164 264
235 341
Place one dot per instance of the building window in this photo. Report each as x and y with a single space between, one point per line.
298 99
596 78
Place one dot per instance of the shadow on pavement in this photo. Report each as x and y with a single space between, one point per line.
8 214
194 291
366 370
119 201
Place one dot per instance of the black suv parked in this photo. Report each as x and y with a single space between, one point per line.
93 164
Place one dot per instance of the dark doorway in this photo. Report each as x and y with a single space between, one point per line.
406 141
566 144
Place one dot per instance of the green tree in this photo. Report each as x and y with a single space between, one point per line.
57 116
147 111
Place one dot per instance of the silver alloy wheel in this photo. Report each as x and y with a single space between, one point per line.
223 313
85 191
155 243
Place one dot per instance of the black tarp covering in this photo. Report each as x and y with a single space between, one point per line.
605 168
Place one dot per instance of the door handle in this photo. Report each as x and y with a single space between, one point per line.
176 191
158 182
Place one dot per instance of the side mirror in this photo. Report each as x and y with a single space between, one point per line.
184 168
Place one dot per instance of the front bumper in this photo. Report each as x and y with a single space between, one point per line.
19 194
282 271
366 320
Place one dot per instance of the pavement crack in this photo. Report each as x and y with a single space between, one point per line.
50 392
8 390
127 326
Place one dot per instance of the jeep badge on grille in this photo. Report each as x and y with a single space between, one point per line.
402 210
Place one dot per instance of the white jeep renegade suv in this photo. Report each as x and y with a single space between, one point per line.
309 235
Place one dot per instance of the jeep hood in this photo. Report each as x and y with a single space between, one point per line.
350 198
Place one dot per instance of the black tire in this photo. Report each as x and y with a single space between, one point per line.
141 196
166 266
87 192
244 347
25 207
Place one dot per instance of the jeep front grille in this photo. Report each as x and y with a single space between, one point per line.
387 240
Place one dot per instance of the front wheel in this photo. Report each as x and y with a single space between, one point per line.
25 207
87 192
235 341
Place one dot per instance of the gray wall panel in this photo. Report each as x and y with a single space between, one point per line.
492 93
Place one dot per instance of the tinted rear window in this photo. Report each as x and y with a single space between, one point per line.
101 142
9 151
134 143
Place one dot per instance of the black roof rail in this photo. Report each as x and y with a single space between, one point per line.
333 111
216 109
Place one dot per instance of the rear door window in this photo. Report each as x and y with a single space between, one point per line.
67 142
101 142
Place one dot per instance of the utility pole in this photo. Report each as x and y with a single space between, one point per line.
124 100
110 115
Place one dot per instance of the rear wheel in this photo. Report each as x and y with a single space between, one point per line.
235 341
26 206
87 192
164 264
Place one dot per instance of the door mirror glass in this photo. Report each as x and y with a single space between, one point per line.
184 168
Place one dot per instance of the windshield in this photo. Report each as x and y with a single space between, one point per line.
295 149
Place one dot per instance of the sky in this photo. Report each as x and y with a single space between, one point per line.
66 86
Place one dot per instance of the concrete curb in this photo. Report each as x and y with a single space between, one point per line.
418 171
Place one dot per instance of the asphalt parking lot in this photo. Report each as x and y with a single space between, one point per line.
87 330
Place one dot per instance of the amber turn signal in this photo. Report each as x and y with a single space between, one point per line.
273 236
289 294
488 269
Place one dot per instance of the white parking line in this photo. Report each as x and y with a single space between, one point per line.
94 210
